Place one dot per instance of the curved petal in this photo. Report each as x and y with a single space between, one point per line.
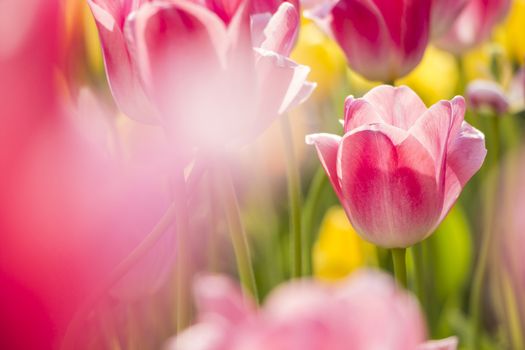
465 157
180 46
398 106
327 146
281 31
361 32
359 112
450 343
218 296
391 195
437 128
121 69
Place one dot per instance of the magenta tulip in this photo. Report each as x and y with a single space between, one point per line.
474 25
367 311
214 74
400 167
382 39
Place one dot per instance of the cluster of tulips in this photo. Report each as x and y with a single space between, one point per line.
262 174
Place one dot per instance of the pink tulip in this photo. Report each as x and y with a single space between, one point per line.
400 167
444 14
213 74
367 311
474 25
485 93
382 39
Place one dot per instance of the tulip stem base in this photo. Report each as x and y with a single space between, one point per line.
400 268
294 197
238 235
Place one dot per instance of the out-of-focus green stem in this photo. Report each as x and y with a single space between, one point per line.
311 205
511 308
182 266
491 189
419 263
400 268
237 232
294 197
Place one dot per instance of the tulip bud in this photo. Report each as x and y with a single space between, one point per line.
382 40
487 94
400 167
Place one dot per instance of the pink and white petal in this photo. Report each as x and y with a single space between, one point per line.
391 194
327 146
450 343
433 131
219 299
123 76
282 29
398 106
180 46
359 112
465 157
258 23
202 336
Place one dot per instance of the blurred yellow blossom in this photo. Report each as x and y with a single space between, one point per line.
435 78
323 56
511 34
339 250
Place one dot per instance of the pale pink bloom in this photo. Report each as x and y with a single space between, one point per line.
213 73
400 166
442 344
488 94
367 311
474 25
382 39
444 14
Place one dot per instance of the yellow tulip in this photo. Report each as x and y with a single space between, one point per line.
339 250
511 33
323 56
435 78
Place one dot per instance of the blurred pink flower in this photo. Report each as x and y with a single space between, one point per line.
474 25
214 74
444 14
382 39
486 93
400 167
367 311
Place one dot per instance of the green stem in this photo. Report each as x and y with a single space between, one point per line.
400 269
294 197
182 267
310 208
491 189
237 232
419 262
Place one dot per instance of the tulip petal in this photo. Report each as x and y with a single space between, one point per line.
465 157
327 146
398 106
281 31
437 128
359 112
123 76
450 343
218 296
390 191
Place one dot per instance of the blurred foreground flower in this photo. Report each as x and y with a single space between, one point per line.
367 311
474 25
400 167
382 39
212 75
339 250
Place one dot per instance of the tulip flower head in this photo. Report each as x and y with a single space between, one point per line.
366 311
400 166
214 74
474 25
487 94
382 39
